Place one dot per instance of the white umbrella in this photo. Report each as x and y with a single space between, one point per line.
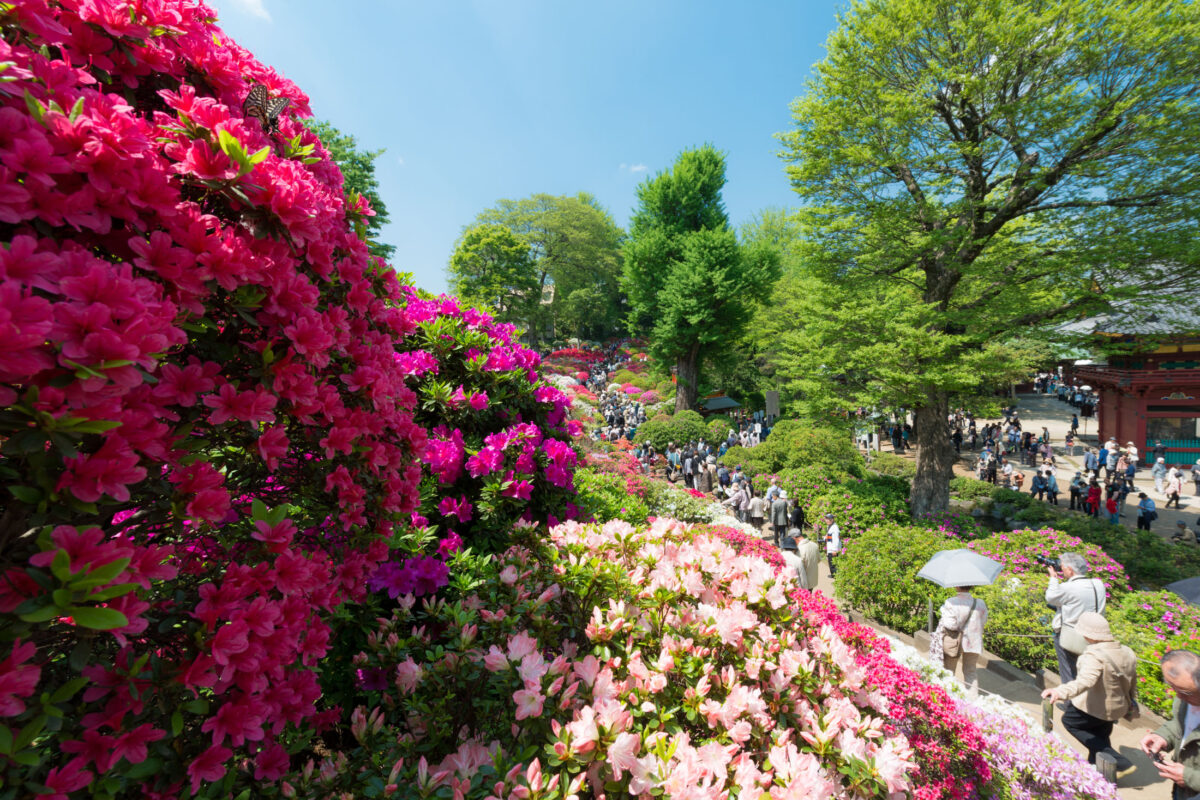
1085 388
961 567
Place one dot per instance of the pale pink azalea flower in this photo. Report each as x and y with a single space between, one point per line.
583 730
495 660
622 754
408 675
521 645
529 703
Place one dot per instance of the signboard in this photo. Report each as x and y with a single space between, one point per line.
773 405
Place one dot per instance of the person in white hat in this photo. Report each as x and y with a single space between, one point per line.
1159 473
1103 693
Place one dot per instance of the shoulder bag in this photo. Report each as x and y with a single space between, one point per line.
952 640
1071 639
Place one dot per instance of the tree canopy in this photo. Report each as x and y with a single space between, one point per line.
574 247
973 171
358 172
689 281
491 268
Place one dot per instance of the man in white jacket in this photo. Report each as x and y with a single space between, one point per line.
1071 592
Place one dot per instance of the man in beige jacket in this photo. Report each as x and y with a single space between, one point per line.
1102 693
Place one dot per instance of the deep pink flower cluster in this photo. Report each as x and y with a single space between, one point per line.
192 334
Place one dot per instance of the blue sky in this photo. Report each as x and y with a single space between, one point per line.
476 101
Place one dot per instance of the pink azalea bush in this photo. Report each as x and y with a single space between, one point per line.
618 660
1018 550
207 400
499 446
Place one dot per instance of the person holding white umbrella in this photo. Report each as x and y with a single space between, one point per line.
961 622
959 634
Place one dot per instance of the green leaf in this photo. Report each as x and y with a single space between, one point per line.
176 723
36 109
60 566
6 740
67 690
26 494
109 592
259 156
100 575
100 619
76 109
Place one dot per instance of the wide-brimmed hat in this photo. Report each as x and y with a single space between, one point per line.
1093 626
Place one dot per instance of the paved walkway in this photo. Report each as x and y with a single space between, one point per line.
1037 411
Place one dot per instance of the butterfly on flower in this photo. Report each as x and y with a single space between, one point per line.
259 103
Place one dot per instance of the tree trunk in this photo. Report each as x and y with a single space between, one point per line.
935 456
687 377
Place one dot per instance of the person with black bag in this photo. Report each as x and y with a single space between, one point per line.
960 633
1071 593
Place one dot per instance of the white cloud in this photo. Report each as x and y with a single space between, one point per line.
638 168
400 160
254 8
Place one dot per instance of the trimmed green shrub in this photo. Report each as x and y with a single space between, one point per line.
877 574
605 496
894 465
681 428
754 461
969 488
719 428
1018 624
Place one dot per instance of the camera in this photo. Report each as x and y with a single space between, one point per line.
1047 561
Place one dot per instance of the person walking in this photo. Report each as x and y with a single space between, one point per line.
1113 507
960 626
1103 693
1074 424
1180 737
1147 513
833 543
1174 487
802 555
779 516
796 519
1196 476
755 511
1159 473
1071 592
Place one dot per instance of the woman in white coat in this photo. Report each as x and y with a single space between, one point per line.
961 630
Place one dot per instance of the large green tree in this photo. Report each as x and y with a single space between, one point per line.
689 282
574 247
358 171
974 169
490 268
